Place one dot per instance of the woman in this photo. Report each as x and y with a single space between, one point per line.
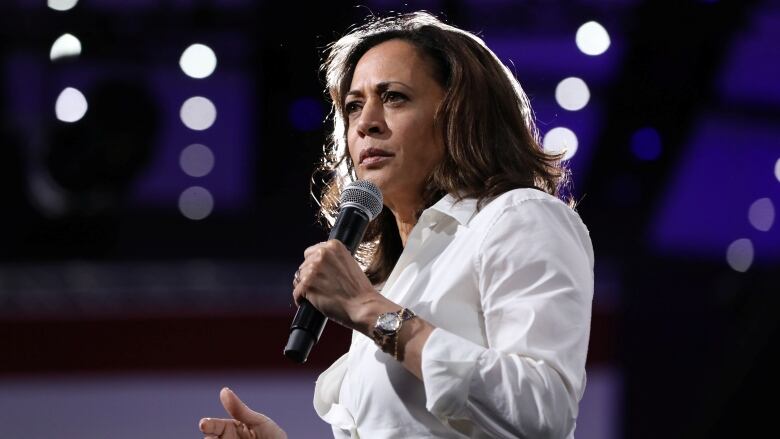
486 276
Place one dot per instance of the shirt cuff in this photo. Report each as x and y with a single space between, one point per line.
448 363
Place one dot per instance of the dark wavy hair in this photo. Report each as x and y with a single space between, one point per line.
490 138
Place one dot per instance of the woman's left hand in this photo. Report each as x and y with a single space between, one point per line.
333 282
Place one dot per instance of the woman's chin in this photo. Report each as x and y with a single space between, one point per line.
375 176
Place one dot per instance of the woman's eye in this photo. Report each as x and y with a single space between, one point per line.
392 96
351 107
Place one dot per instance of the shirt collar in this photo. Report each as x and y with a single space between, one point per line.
461 211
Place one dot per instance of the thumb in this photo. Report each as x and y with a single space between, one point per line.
238 410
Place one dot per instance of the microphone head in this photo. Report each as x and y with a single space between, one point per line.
364 195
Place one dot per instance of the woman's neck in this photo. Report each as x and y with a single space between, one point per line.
405 218
404 228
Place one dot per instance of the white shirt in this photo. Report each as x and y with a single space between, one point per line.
509 289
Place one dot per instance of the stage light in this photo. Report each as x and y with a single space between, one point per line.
196 203
762 214
62 5
777 169
198 113
71 105
196 160
198 61
739 255
559 139
572 94
592 39
646 144
65 46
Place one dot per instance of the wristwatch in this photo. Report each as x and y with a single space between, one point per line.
387 327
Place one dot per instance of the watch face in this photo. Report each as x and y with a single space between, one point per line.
388 322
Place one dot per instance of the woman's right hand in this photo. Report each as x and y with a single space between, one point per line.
246 423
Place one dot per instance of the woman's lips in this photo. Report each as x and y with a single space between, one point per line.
374 156
375 160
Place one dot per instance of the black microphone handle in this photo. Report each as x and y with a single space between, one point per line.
308 324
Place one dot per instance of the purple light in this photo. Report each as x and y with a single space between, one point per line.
163 181
750 70
306 114
720 175
646 144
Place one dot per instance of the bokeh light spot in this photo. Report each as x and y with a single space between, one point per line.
196 203
592 39
559 139
65 46
777 169
196 160
572 94
739 255
61 5
198 61
646 143
71 105
198 113
762 214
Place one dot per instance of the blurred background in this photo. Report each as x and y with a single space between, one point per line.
155 160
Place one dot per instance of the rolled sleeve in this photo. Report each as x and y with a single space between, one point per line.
448 363
536 284
535 271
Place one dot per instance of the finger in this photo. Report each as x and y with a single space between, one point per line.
297 296
238 410
300 287
301 292
215 426
246 432
336 245
313 249
296 277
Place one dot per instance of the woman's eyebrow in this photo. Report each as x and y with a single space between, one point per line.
384 85
380 88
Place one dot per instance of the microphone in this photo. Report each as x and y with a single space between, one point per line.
361 202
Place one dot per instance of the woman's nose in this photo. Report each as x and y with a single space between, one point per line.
372 119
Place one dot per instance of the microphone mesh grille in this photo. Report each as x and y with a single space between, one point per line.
365 195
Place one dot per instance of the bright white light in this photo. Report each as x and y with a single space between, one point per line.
198 113
66 45
62 5
198 61
762 214
777 169
740 255
196 203
592 39
559 139
196 160
71 105
572 94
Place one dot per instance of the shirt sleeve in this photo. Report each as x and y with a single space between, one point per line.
535 278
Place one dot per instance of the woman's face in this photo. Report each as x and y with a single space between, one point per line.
390 110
